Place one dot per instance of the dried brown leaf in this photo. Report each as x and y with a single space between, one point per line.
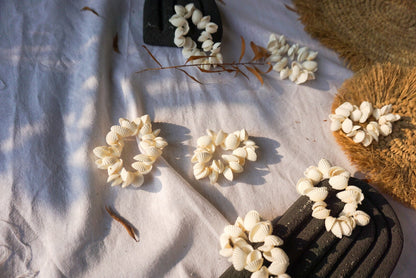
259 52
122 221
90 9
192 58
255 73
190 76
239 71
115 44
243 48
151 55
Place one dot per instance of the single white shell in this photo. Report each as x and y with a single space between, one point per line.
254 261
160 143
386 109
252 218
145 129
324 166
281 64
233 231
204 173
260 230
294 72
347 125
196 16
310 65
108 161
202 24
177 20
117 181
319 204
312 55
239 258
112 138
226 252
213 176
313 173
207 45
335 125
338 171
102 151
211 27
228 173
179 10
217 166
189 10
292 50
329 222
138 180
350 196
317 194
142 168
203 156
342 112
302 77
113 177
367 140
274 58
251 154
346 228
320 212
236 167
279 264
359 136
356 115
284 73
144 158
303 53
240 152
338 182
385 129
366 108
336 229
263 272
127 177
349 208
231 142
277 255
152 151
304 185
220 137
361 218
115 167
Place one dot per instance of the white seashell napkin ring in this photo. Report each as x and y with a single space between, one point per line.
230 164
352 196
210 50
238 241
151 146
347 118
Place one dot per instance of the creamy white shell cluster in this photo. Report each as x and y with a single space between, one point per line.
352 196
210 49
238 240
242 149
347 116
292 61
150 145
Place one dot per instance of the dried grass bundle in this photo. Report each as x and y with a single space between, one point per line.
363 32
391 163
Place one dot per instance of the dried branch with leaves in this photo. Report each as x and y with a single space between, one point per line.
129 228
254 66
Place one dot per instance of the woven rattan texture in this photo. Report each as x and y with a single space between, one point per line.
390 163
363 32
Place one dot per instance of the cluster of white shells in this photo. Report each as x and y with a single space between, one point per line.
180 21
237 244
347 115
352 196
230 164
150 145
292 61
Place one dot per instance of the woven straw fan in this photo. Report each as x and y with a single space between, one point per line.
390 163
363 32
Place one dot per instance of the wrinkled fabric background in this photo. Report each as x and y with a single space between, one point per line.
61 89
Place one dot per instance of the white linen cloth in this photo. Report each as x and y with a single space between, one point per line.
61 89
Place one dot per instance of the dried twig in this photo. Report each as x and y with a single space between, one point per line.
90 9
115 44
253 66
124 222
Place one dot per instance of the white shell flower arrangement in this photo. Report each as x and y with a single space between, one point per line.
151 146
292 61
242 149
352 196
210 50
348 118
238 240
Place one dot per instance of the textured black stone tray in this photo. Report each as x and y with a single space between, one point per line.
157 29
371 251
